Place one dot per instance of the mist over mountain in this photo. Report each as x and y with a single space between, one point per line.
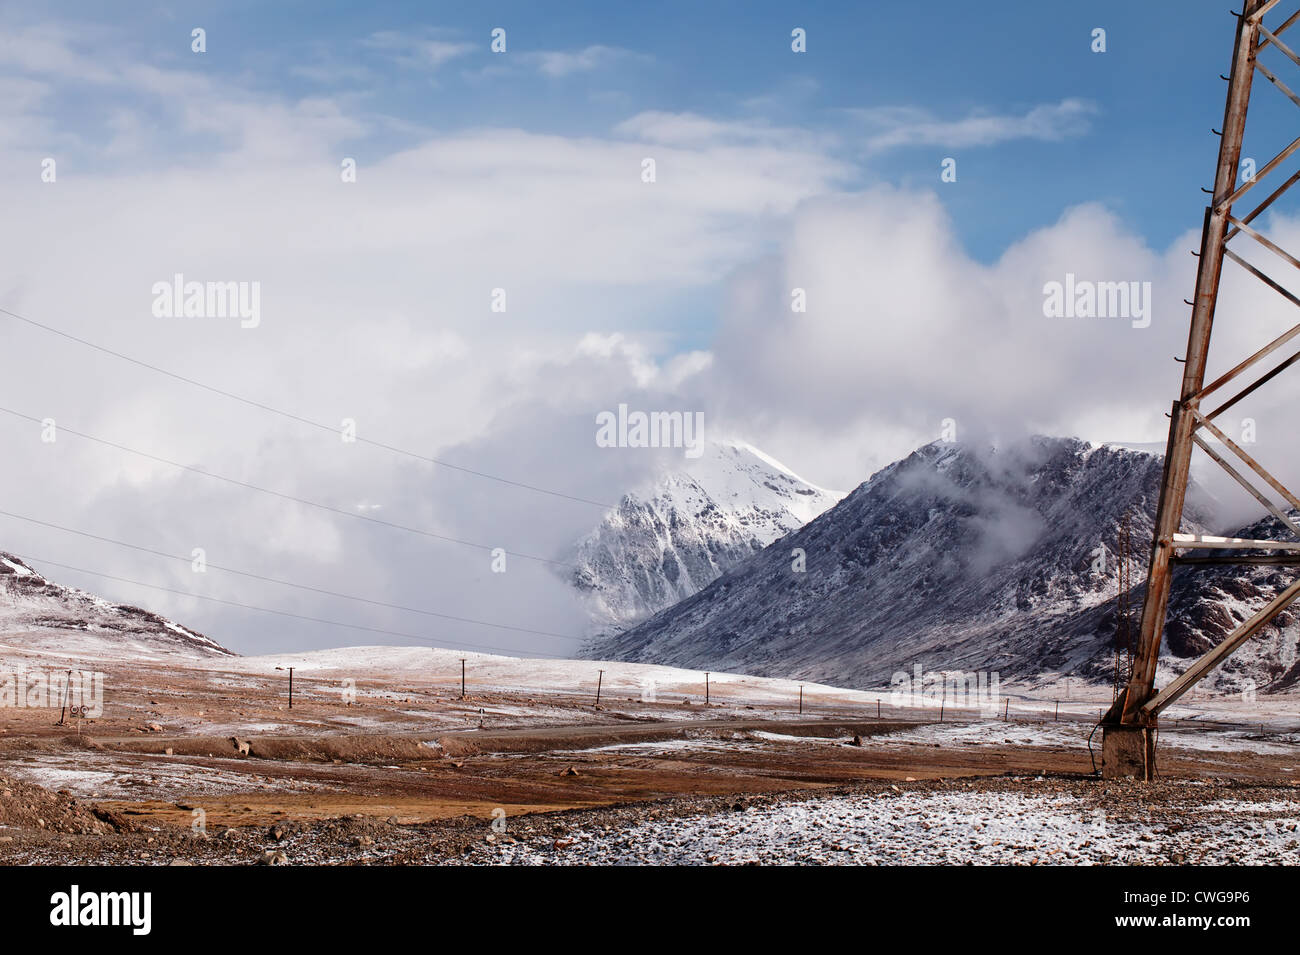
966 558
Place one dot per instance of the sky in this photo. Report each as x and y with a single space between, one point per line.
128 157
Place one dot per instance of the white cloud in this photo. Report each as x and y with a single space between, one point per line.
890 127
375 306
694 130
420 51
558 63
904 329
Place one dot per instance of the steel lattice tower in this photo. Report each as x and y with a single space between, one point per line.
1129 728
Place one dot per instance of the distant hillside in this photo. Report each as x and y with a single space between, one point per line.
36 613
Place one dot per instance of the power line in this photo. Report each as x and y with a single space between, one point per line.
283 496
296 417
284 583
283 613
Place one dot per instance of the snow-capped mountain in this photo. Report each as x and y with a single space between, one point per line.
968 560
665 543
37 614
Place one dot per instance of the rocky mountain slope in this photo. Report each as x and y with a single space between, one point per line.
663 545
965 559
38 614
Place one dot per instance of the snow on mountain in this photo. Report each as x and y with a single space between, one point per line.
664 544
40 616
963 559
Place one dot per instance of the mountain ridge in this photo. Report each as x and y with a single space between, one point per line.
39 614
958 557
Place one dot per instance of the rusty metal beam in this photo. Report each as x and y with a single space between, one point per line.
1295 177
1255 385
1272 78
1205 664
1249 184
1245 458
1265 242
1272 37
1173 490
1270 560
1280 289
1211 542
1250 488
1241 366
1257 13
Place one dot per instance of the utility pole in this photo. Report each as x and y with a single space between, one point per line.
67 685
600 678
1130 727
706 689
290 669
462 678
801 699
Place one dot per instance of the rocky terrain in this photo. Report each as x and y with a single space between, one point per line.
1031 821
966 559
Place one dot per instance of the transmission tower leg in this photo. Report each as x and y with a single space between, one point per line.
1128 731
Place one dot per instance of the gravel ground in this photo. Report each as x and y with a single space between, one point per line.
969 827
1010 820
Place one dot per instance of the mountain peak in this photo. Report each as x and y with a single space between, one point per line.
665 541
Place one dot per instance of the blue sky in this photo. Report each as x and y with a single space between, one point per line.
1143 148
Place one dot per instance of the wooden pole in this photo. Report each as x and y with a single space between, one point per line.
67 685
801 699
1006 707
290 669
706 689
600 677
462 678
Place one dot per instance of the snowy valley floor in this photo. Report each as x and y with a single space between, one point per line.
202 761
